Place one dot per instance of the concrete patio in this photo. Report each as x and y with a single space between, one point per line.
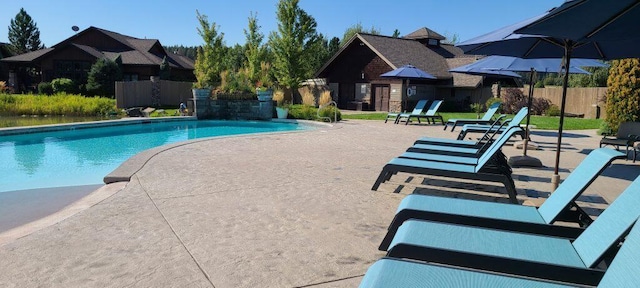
275 210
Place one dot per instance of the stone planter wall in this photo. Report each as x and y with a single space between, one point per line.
234 109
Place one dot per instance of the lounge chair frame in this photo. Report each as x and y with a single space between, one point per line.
500 172
595 163
487 118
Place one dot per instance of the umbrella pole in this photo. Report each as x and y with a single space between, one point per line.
555 180
524 160
530 101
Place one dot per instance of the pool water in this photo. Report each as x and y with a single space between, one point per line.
85 156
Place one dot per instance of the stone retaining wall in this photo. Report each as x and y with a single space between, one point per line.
234 109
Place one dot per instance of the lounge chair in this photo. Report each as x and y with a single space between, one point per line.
558 207
416 110
486 119
426 144
462 148
484 129
624 271
431 114
530 255
498 172
628 133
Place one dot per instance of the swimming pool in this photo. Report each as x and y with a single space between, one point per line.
83 156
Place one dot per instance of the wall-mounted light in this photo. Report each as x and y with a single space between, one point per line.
362 75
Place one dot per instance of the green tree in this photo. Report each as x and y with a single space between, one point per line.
357 28
623 92
189 51
319 54
396 33
597 78
102 78
24 35
334 46
210 56
451 39
254 50
165 69
291 45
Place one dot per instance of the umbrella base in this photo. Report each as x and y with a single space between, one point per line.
524 161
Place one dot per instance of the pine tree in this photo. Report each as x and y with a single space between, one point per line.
103 76
290 45
357 28
623 92
24 35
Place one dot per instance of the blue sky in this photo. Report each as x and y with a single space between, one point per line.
174 22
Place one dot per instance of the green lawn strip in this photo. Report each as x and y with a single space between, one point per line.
541 122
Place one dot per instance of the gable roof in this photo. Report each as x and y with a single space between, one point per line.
135 51
28 57
461 79
424 33
397 52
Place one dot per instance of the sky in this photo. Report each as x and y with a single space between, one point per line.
175 23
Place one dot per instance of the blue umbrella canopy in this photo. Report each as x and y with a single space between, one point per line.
507 63
472 69
509 41
588 21
408 72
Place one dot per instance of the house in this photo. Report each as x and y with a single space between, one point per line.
72 58
353 73
5 51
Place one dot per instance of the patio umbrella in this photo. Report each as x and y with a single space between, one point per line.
407 72
590 20
508 41
507 63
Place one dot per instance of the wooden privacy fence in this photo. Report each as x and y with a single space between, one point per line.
580 101
152 93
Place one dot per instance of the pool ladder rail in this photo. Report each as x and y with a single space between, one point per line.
335 112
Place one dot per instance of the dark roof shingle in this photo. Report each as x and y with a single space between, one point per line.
399 51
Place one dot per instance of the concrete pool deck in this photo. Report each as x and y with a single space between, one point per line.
275 210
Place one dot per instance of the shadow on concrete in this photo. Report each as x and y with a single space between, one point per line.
555 134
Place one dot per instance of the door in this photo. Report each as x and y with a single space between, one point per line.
381 97
346 94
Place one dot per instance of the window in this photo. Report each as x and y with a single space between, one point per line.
74 70
130 77
433 42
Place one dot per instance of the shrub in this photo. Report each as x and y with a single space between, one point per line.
553 110
539 106
304 112
539 84
3 87
330 111
325 97
605 129
623 92
513 100
63 85
45 88
57 104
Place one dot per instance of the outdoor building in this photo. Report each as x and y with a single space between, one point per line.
5 51
72 58
353 73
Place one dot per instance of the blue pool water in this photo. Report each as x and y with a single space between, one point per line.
85 156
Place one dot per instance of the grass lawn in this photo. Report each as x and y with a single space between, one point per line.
541 122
